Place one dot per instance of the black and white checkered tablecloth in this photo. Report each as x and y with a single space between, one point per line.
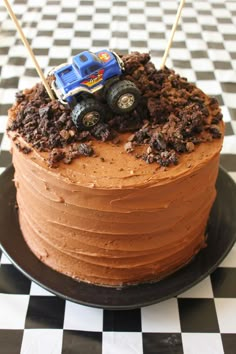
201 320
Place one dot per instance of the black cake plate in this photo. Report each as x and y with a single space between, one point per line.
221 231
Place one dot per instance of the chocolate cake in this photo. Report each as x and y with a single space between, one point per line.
127 201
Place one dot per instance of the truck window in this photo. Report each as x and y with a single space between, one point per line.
83 58
93 68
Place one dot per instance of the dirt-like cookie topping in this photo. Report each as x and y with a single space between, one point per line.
171 118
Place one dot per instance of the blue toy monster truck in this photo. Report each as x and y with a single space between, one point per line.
76 83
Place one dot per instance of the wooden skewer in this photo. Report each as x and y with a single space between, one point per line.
26 44
181 5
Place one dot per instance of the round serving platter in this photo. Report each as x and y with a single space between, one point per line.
221 231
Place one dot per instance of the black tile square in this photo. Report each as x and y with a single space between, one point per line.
100 43
162 343
57 61
10 341
219 99
11 82
223 65
137 26
210 28
63 42
228 129
4 108
16 61
228 161
5 158
229 37
102 11
84 18
12 281
81 342
45 33
199 54
205 75
229 343
65 25
232 112
139 44
31 72
122 321
198 315
41 51
224 20
215 45
79 34
181 64
179 44
224 282
101 25
4 50
229 87
45 312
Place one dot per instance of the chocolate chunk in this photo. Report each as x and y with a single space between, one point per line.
129 147
85 149
101 131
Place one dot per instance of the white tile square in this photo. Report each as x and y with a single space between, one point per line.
5 144
226 314
229 144
4 259
13 309
207 343
188 73
226 114
59 52
83 318
229 99
2 169
201 290
7 96
202 64
226 75
122 343
36 290
163 317
3 123
42 341
211 87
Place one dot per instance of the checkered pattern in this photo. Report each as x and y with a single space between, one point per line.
201 320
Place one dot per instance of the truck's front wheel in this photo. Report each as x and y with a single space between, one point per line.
123 96
87 113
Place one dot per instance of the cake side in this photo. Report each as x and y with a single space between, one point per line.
114 236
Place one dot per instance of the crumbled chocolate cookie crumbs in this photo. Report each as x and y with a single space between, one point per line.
85 149
129 147
101 132
190 146
55 156
172 117
214 130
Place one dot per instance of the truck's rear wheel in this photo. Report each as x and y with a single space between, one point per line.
123 96
87 113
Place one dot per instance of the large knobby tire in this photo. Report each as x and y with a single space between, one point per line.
123 96
87 113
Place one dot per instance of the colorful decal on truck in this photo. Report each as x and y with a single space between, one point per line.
94 79
104 57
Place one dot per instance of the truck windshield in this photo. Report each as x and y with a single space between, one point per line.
95 57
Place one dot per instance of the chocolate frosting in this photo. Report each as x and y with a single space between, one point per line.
117 220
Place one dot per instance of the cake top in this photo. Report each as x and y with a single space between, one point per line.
172 117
